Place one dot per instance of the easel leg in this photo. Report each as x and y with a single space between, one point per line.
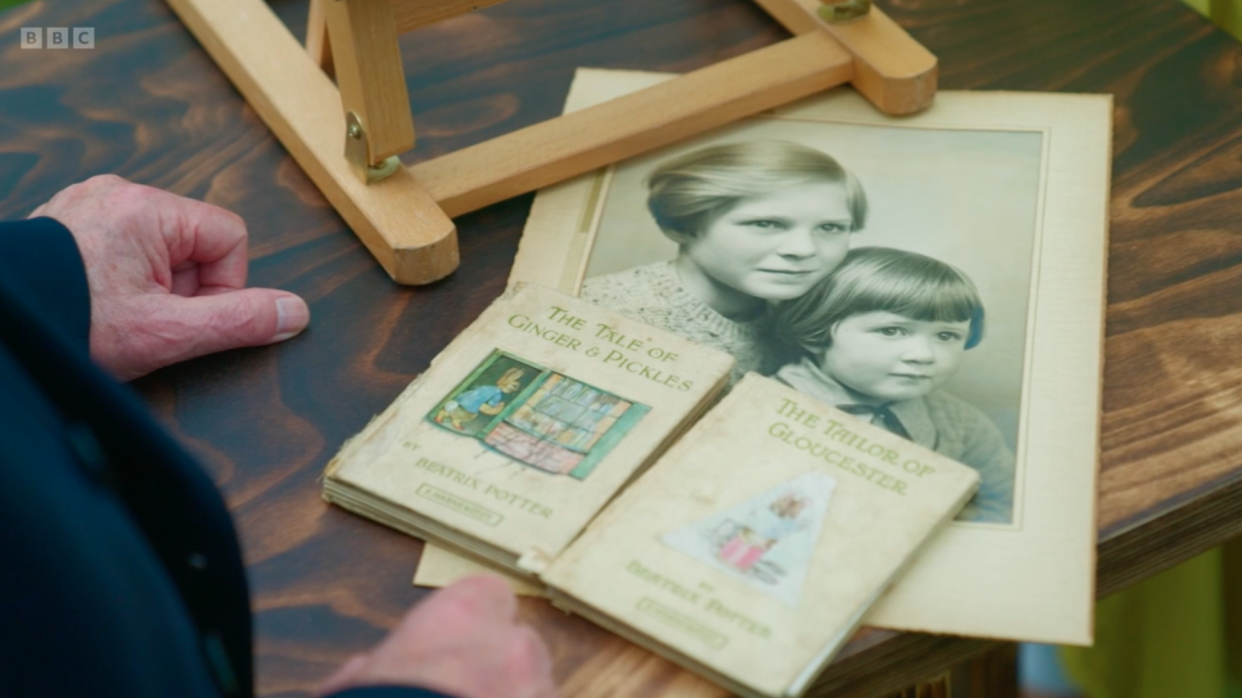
303 108
368 68
317 43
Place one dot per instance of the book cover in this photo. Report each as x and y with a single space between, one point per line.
751 550
524 427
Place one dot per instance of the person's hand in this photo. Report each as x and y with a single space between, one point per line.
462 640
167 277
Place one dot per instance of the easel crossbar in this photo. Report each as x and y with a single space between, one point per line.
554 150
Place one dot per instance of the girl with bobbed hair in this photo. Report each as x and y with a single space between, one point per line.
756 223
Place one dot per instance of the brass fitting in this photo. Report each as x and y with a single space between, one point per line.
843 10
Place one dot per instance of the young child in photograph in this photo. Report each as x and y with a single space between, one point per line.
880 336
755 223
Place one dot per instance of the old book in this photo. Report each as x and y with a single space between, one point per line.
750 552
524 427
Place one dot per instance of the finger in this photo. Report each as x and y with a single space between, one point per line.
530 658
485 594
185 280
483 600
203 234
247 318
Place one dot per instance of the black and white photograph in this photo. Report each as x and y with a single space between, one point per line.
885 271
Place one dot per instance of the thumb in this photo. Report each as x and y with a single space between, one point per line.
244 318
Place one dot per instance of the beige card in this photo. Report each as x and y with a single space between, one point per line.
1012 190
524 427
752 548
438 567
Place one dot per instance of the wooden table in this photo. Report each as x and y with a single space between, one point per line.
148 104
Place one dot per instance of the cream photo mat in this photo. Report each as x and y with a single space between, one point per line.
1032 579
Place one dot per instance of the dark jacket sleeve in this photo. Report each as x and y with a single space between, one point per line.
40 261
102 509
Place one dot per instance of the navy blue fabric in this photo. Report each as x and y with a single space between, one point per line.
40 260
120 572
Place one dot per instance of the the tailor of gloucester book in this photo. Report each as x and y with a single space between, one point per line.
524 427
751 550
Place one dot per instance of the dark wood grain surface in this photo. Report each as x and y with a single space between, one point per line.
148 104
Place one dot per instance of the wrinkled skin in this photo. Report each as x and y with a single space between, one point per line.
167 277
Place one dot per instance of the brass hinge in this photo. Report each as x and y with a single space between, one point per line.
357 152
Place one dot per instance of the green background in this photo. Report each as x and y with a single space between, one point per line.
11 3
1226 13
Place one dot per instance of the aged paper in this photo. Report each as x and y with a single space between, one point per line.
438 567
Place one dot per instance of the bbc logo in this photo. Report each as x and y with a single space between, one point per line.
58 37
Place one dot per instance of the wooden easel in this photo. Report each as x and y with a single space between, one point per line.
347 139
